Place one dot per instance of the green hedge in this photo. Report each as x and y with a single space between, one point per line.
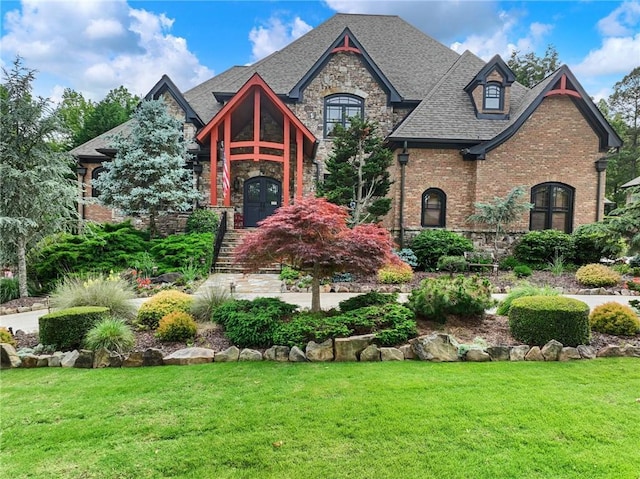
536 320
430 245
65 329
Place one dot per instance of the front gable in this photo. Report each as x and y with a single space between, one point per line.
346 43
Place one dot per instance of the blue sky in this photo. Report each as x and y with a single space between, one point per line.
93 46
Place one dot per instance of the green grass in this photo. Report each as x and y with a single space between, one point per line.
337 420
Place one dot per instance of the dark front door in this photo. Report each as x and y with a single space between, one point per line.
262 196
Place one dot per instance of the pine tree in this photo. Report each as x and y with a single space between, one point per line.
358 170
148 174
38 190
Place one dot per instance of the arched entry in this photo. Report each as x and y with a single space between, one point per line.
262 196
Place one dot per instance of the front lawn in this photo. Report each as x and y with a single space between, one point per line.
325 420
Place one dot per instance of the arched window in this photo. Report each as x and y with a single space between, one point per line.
338 109
493 97
552 207
94 176
434 205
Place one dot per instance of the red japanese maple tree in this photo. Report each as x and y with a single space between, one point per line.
312 236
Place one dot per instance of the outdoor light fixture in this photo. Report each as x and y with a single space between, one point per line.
403 158
197 168
601 164
81 170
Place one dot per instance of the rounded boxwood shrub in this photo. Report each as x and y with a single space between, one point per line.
597 275
614 318
536 320
430 245
177 326
110 333
163 303
66 329
203 221
522 271
539 248
522 290
452 264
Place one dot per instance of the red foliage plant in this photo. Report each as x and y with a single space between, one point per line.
312 235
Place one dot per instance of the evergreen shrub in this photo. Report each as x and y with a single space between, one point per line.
163 303
203 221
66 329
372 298
522 290
114 334
593 242
539 248
9 289
252 323
6 337
177 326
536 320
395 274
407 256
461 296
614 318
177 251
597 276
452 264
522 271
430 245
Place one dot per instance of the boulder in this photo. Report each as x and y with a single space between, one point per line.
115 359
190 356
551 350
43 360
349 349
586 352
101 358
437 347
568 353
69 359
55 359
608 352
29 360
166 278
152 357
250 355
133 360
407 351
391 354
518 353
478 356
229 355
499 353
320 352
296 355
85 359
370 353
631 351
277 353
9 357
534 354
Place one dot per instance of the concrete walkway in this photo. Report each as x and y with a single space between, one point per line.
250 286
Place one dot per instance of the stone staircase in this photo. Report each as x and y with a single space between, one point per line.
225 262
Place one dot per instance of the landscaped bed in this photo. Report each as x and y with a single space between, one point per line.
319 420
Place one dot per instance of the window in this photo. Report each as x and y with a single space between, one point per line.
434 203
552 207
492 97
338 109
94 176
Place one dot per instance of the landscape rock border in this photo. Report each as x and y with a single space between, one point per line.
436 347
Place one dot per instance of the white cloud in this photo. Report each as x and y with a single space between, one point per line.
275 34
95 46
616 55
622 21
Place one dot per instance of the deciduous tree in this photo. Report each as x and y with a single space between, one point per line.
38 190
312 235
148 174
358 170
530 69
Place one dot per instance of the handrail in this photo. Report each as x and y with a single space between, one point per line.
222 229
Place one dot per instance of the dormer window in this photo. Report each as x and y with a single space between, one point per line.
493 97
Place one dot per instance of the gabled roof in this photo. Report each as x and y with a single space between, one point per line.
496 63
91 147
554 83
634 182
447 113
407 59
165 85
346 42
